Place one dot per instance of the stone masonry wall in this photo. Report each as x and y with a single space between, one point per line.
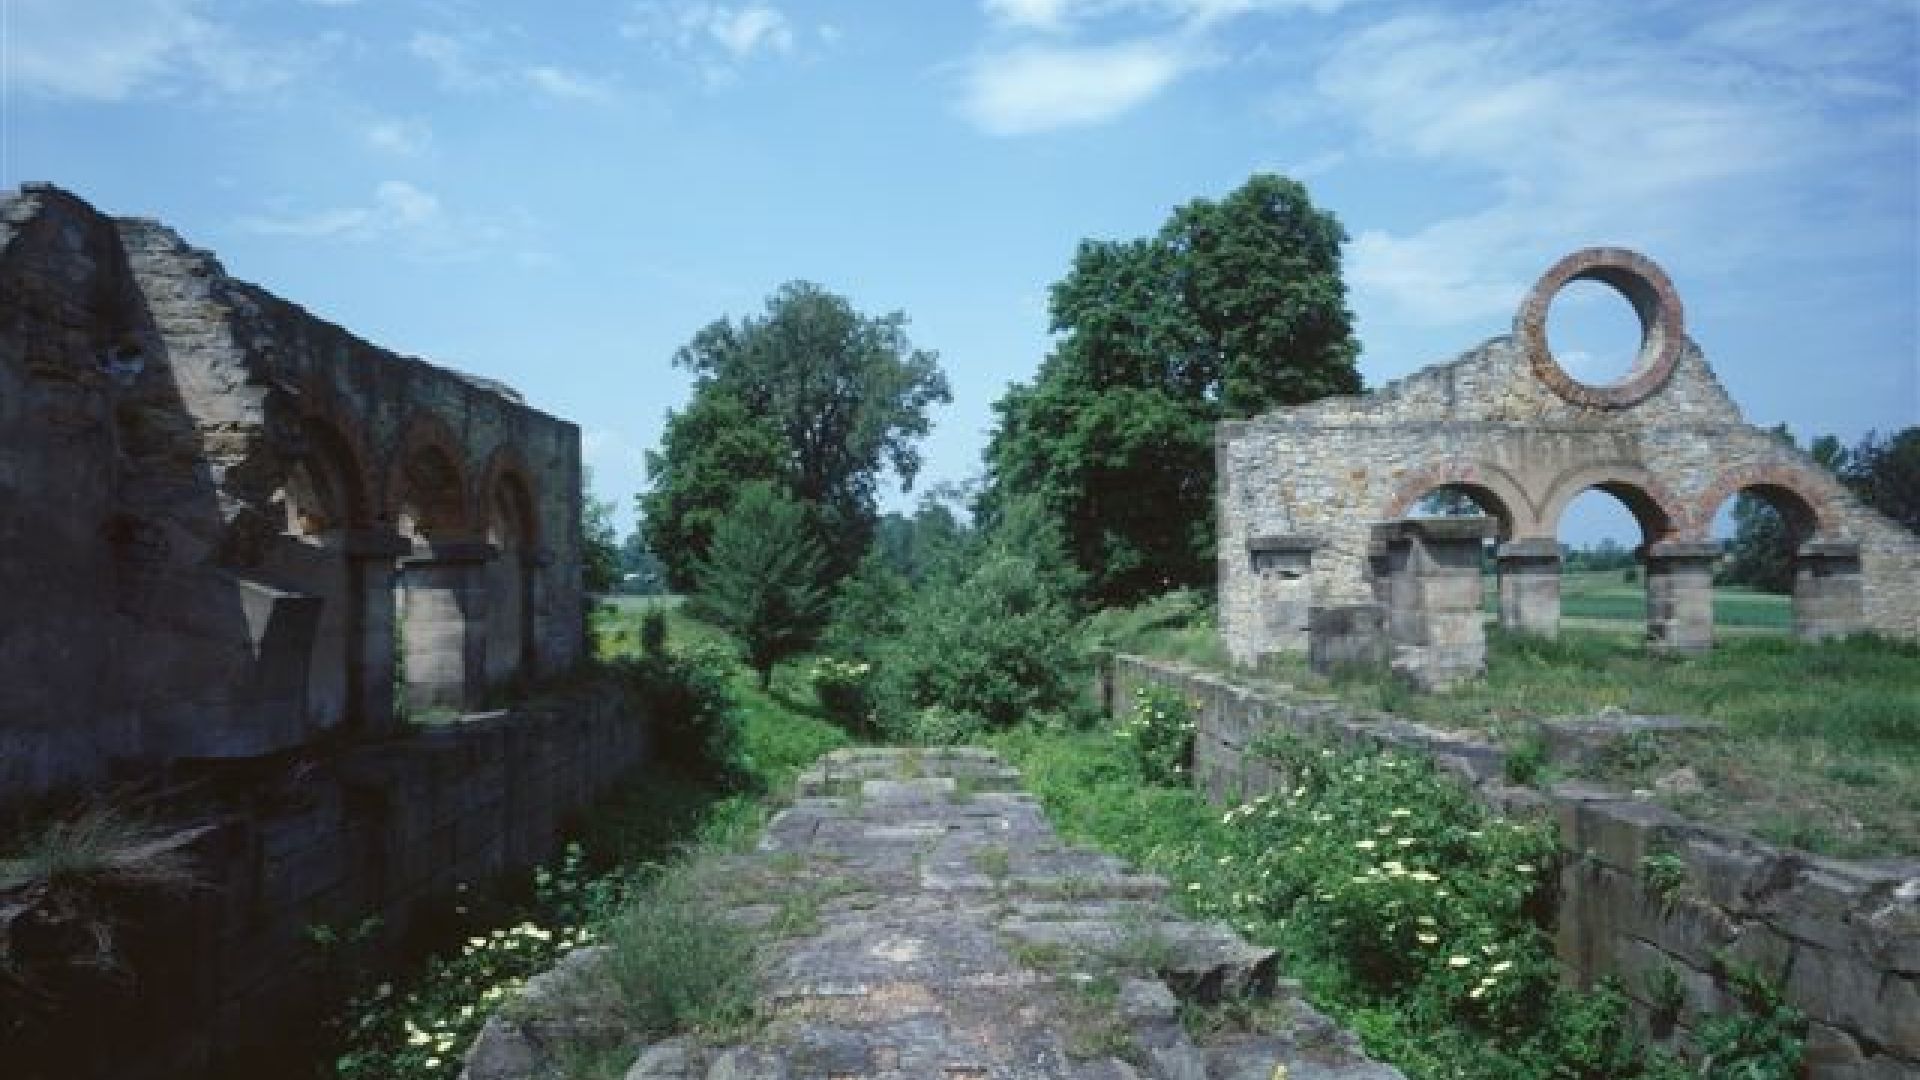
204 495
388 830
1841 938
1502 422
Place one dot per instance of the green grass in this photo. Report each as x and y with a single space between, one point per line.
1821 747
1302 893
98 847
676 966
1590 597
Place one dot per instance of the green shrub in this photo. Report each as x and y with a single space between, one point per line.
844 690
937 725
691 709
996 643
1158 731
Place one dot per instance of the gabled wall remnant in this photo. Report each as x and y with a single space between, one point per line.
1506 424
221 517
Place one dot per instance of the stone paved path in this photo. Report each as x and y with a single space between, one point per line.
957 938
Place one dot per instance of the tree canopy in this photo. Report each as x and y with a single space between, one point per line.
812 397
761 577
1233 307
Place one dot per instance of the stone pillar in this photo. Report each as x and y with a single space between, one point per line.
371 634
1829 596
1530 587
1283 592
1680 596
1433 608
444 605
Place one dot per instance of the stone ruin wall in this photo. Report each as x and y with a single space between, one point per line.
1840 938
209 497
1501 423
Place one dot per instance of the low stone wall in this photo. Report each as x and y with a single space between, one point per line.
226 979
1842 939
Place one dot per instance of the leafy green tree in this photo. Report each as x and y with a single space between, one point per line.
708 450
811 396
1234 307
599 547
640 571
761 578
1885 473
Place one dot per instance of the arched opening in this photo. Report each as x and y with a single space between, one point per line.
1468 499
1671 594
1770 581
323 497
439 604
1602 541
509 580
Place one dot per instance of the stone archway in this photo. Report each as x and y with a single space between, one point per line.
1507 423
512 532
441 602
1828 587
325 502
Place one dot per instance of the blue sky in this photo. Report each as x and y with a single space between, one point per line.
559 194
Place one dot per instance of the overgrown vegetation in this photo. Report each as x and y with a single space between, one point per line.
725 745
1820 747
1409 913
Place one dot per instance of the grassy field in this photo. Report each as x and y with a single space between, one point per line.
1819 749
1595 599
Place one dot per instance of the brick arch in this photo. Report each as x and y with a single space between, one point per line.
1802 495
1503 495
505 466
332 433
429 461
1661 514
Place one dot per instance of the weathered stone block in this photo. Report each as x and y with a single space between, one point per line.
1351 636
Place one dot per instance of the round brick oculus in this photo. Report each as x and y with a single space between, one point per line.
1646 287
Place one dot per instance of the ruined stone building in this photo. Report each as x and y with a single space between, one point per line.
227 526
1308 495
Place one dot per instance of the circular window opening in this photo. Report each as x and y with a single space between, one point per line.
1647 327
1594 333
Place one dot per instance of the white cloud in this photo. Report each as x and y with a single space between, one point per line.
1042 88
406 138
568 85
718 40
1059 15
1033 86
103 50
1587 124
451 59
751 29
397 207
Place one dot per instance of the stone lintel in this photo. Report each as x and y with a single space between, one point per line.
1439 529
1683 550
1830 549
453 553
1529 549
376 544
1284 542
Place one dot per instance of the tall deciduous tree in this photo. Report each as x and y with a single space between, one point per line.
1234 307
761 578
812 397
